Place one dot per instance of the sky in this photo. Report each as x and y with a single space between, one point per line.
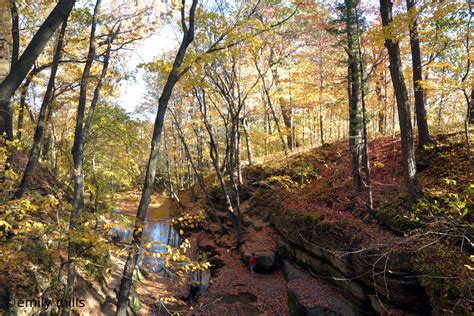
132 90
167 39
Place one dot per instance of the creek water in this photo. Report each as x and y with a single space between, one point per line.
158 232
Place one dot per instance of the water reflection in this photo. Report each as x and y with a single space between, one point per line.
159 233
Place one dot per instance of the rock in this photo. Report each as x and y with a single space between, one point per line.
265 260
321 267
352 273
296 308
322 300
290 270
385 309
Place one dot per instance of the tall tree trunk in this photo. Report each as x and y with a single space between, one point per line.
381 112
173 77
214 155
266 122
15 33
403 104
200 148
355 120
198 174
368 176
385 98
469 120
321 87
321 126
420 108
471 108
54 151
285 108
80 138
41 123
5 62
238 150
272 111
29 56
245 125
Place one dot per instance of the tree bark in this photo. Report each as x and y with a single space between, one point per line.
15 33
403 105
321 87
380 101
285 110
173 77
245 125
198 174
420 108
238 151
368 176
5 59
41 123
272 111
29 56
355 119
471 108
80 139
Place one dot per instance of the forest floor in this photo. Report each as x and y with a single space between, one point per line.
318 188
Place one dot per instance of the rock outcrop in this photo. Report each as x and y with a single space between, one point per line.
308 296
375 279
265 260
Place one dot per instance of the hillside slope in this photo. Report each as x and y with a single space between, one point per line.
402 260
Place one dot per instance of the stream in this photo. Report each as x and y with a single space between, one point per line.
159 232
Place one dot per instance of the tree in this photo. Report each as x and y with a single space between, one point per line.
19 71
354 80
80 137
15 32
420 108
5 55
403 105
199 175
40 125
173 77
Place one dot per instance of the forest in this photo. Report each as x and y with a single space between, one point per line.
244 157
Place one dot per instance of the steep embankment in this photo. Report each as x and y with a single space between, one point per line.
398 260
385 264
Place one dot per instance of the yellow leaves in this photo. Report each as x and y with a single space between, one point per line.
378 164
187 222
38 225
4 224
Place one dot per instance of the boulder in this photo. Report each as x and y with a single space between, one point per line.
385 309
352 273
265 260
322 267
315 298
296 308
